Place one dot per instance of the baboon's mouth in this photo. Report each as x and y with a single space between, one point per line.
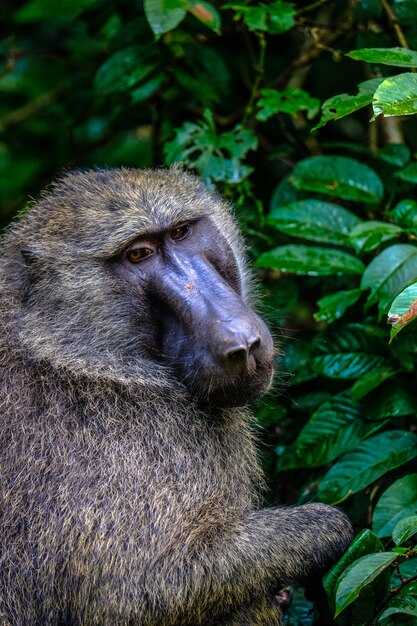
233 392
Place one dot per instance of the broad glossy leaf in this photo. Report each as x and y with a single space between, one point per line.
402 611
397 400
403 310
389 273
164 15
341 105
394 153
125 69
366 542
369 381
404 529
397 502
206 13
289 101
372 458
334 306
346 366
335 428
399 57
350 351
315 220
360 574
367 236
409 173
310 261
397 95
405 213
338 176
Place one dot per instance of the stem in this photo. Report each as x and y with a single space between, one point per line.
260 71
395 24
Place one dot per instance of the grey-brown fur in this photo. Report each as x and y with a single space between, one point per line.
124 502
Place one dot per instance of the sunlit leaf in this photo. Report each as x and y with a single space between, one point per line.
164 15
397 95
341 105
405 213
403 310
398 57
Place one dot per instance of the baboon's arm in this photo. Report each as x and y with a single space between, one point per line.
268 547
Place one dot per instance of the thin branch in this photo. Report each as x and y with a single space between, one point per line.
395 24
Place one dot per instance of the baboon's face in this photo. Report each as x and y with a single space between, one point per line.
215 343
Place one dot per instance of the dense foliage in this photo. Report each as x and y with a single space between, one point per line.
234 89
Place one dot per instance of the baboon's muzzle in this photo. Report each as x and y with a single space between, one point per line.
217 345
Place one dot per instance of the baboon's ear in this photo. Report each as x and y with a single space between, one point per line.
30 254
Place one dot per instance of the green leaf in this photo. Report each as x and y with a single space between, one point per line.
401 611
290 101
350 351
372 458
334 306
359 575
366 542
314 220
369 235
397 400
394 153
338 176
389 273
404 529
397 95
274 18
396 503
335 428
38 10
205 13
409 173
341 105
125 69
216 156
345 366
405 213
398 57
310 261
403 310
164 15
370 381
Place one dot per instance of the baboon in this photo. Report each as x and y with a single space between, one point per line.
129 477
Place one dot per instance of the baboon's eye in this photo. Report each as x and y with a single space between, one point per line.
135 255
181 232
